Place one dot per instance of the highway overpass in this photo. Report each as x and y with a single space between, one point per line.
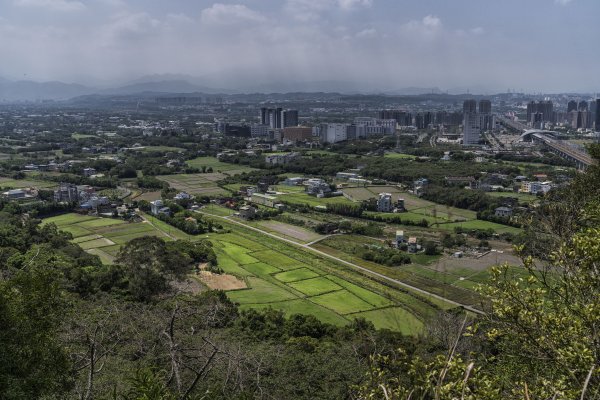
562 148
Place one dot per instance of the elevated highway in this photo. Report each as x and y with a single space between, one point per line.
564 149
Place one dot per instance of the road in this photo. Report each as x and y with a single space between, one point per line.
354 266
143 217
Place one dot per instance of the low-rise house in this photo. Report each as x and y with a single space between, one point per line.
400 239
384 202
346 175
296 181
182 196
503 212
158 207
247 212
263 199
412 244
20 194
280 159
66 192
317 187
87 172
94 202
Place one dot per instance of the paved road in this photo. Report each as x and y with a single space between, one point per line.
355 266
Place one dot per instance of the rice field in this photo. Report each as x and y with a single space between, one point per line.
293 280
103 236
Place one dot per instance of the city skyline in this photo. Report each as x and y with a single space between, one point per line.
360 45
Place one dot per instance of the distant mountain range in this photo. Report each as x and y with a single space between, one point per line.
27 90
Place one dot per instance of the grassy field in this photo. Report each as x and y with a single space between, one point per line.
198 184
400 156
25 183
104 236
348 247
522 197
217 210
480 224
295 280
288 231
78 136
311 201
162 149
218 166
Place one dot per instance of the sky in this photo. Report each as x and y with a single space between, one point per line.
482 45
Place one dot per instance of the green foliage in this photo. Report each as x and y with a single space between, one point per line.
150 182
33 362
148 265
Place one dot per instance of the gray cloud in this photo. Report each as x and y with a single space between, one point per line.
377 44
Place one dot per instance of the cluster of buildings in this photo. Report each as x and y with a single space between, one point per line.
362 127
579 114
535 187
280 159
20 194
385 203
411 242
422 120
84 195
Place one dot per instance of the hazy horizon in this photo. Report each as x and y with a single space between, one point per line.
370 45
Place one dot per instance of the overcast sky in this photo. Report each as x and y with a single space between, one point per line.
534 45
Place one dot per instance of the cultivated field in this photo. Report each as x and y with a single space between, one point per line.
25 183
294 280
294 232
198 184
425 277
218 166
103 236
301 198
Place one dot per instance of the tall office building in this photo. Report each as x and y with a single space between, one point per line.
571 106
403 118
264 116
546 108
289 118
471 123
278 118
470 106
485 114
583 106
485 107
597 115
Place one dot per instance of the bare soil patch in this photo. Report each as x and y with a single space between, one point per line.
221 281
